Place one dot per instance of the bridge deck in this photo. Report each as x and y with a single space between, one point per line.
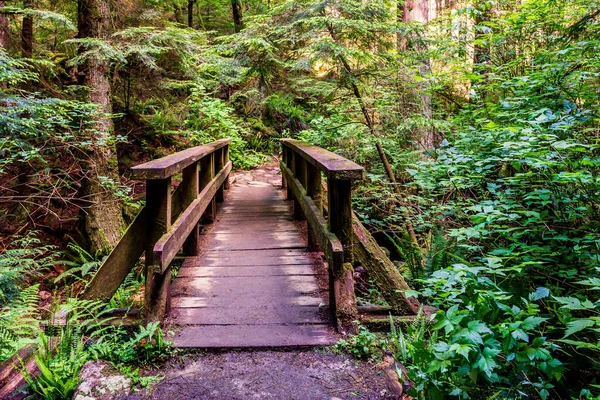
255 283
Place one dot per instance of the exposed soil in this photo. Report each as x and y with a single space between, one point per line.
298 374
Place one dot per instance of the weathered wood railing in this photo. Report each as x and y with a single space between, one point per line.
301 166
168 222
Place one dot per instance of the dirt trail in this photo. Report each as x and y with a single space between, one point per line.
299 374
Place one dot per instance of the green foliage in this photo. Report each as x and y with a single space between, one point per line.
364 345
484 338
59 368
82 265
84 336
146 346
210 119
19 318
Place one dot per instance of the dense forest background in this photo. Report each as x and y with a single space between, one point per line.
476 120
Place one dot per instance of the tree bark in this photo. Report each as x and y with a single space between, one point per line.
418 10
103 219
4 38
27 32
191 13
236 8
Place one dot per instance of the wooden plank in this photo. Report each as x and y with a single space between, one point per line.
232 336
249 315
170 243
173 164
240 209
340 213
246 271
256 241
249 257
240 290
120 261
330 163
199 301
252 226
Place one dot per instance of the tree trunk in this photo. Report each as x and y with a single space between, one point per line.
103 220
236 8
481 52
418 10
27 33
191 13
4 38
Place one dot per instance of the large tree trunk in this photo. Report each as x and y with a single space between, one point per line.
418 10
27 33
236 8
103 220
4 38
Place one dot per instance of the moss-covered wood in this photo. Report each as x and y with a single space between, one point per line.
382 271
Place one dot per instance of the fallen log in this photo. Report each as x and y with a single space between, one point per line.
382 271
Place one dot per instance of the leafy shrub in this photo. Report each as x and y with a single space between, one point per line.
364 345
210 119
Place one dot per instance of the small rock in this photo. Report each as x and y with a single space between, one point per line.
44 295
101 382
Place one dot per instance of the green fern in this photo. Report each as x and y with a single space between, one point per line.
19 322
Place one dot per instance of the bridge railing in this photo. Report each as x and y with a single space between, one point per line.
303 166
169 222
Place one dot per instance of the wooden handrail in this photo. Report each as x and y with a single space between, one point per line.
173 164
333 165
170 243
301 167
169 221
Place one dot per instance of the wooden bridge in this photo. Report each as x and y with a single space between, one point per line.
254 273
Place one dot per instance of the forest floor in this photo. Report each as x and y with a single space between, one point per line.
292 374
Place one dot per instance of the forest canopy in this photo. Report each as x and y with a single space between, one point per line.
477 123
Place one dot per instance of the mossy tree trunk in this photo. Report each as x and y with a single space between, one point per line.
236 8
4 38
103 217
27 32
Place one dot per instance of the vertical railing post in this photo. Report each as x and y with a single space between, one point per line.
340 222
190 188
289 161
225 162
300 174
158 210
284 158
314 189
207 173
219 163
